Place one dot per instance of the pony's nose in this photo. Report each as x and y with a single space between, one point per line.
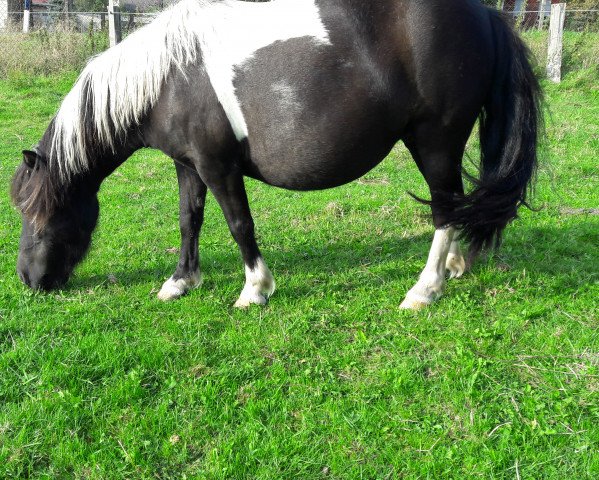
33 281
24 276
36 281
46 282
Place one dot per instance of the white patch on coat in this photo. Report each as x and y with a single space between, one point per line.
432 279
174 289
234 31
259 285
286 95
125 81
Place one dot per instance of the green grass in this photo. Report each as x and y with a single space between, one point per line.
580 51
499 379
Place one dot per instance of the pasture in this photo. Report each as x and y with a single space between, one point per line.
499 379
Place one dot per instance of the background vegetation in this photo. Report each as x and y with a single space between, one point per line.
64 50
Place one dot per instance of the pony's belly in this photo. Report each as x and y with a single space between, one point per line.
315 172
318 116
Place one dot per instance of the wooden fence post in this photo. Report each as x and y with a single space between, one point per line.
556 39
67 9
542 8
114 22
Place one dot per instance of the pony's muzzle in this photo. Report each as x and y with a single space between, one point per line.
24 277
41 282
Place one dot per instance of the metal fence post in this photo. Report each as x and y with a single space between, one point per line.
556 38
114 22
27 16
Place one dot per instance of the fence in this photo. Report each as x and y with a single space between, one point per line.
81 22
577 20
63 18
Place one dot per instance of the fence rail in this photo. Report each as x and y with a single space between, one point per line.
77 21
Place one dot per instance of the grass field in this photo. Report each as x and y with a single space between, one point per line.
499 379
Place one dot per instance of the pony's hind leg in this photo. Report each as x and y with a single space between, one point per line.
432 279
192 198
439 158
456 263
229 190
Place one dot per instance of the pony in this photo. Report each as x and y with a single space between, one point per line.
300 94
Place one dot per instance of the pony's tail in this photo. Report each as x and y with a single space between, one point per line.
509 128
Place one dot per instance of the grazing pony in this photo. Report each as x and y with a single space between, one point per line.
300 94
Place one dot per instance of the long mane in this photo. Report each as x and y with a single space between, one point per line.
118 86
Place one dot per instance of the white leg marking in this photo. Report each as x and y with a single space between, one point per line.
174 289
259 285
456 264
432 279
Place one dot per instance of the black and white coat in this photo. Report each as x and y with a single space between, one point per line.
300 94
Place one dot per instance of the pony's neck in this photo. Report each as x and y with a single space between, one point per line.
101 162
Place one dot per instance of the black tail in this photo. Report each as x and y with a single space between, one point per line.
509 130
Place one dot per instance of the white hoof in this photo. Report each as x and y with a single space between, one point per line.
430 285
417 301
174 289
250 298
456 265
259 286
413 304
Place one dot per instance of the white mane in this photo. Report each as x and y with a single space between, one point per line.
124 82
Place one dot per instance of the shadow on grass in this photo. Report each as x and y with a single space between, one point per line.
332 258
553 251
547 251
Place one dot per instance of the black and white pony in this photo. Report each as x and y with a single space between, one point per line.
300 94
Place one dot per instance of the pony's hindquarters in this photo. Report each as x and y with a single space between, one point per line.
509 130
509 113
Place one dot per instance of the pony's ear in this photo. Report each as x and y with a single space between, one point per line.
30 158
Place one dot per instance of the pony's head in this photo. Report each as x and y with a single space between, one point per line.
58 220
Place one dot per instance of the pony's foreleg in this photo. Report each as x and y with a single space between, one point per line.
259 285
432 279
192 198
229 191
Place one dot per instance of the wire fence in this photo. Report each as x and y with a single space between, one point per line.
67 32
137 14
81 22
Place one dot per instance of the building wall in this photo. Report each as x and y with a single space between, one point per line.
517 6
527 10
